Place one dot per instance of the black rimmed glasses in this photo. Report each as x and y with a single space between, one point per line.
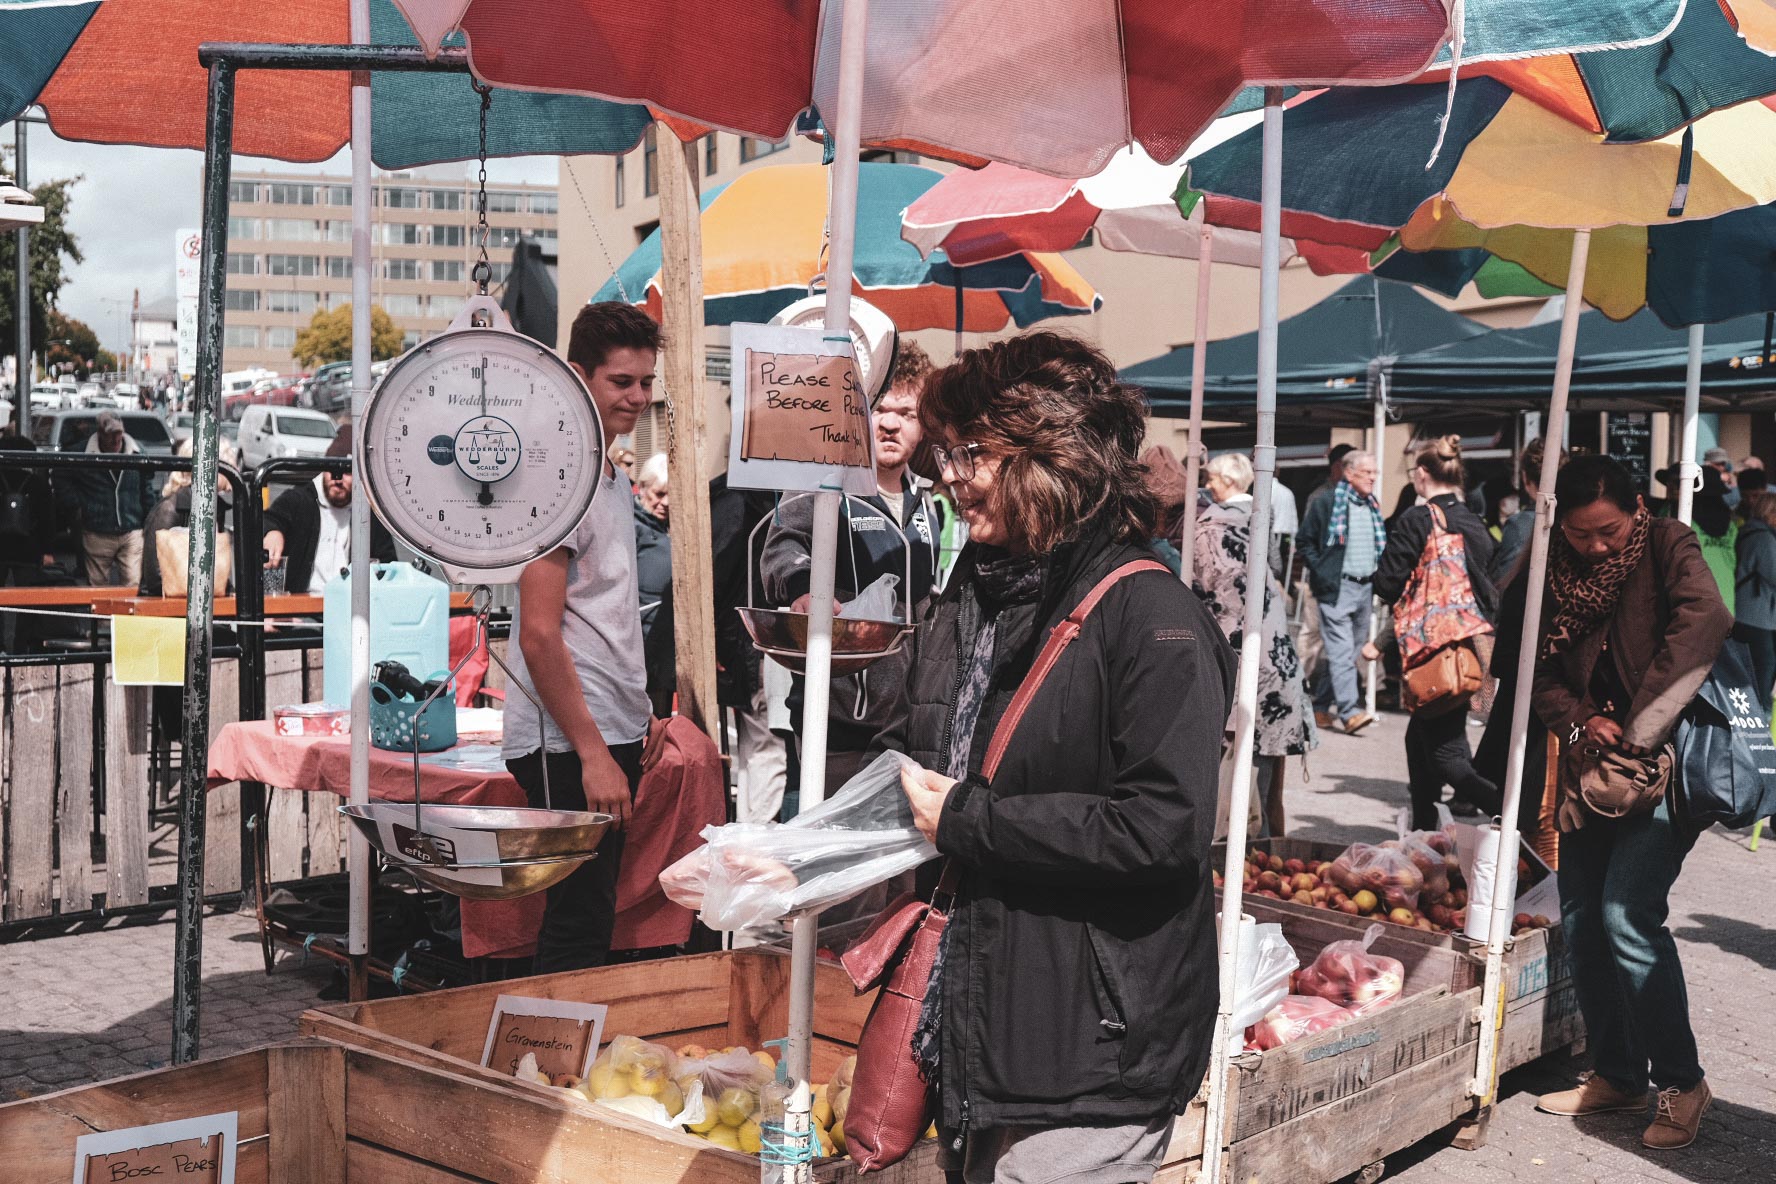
958 460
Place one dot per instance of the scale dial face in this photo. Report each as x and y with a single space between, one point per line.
482 450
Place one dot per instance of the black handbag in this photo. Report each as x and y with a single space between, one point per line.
1726 761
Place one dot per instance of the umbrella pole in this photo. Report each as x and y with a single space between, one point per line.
1687 469
1492 1006
1245 712
960 310
842 219
358 848
1205 259
1377 433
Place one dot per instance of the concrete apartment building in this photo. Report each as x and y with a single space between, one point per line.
289 252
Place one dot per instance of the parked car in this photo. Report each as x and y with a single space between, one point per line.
267 432
330 387
179 425
67 430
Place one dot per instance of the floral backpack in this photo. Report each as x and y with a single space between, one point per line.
1436 622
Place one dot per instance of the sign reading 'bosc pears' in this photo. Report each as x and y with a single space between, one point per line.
801 420
188 1150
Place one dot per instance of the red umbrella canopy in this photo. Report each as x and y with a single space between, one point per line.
1057 90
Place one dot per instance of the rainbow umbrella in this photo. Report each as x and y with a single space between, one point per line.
764 246
121 73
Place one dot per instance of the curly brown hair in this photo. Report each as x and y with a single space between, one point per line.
1067 433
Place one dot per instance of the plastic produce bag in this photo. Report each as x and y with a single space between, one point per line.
1347 974
1385 871
732 1084
875 603
1266 960
749 874
637 1077
1296 1016
1433 853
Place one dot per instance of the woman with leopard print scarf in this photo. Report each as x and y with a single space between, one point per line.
1632 626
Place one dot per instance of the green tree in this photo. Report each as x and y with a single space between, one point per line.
328 337
73 342
53 249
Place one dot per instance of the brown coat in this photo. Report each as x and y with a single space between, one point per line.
1666 633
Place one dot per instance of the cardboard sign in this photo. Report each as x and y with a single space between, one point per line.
801 419
563 1035
189 1151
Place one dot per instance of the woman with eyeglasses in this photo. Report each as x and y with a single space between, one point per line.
1070 1016
1632 624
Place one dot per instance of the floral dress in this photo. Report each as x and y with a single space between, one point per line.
1218 575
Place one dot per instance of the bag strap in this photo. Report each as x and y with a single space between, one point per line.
1059 638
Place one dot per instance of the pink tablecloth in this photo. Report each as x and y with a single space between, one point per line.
681 792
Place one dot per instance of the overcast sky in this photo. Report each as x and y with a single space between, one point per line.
131 202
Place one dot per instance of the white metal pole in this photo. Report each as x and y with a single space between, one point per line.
1245 712
842 220
1493 997
1205 258
1687 468
358 850
1377 436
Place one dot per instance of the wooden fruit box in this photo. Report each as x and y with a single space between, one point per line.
1322 1107
1541 1008
295 1125
739 998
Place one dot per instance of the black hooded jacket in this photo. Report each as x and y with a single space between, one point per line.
1080 980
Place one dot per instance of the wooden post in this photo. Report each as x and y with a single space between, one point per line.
681 282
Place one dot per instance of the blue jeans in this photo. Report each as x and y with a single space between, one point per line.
1344 627
1615 882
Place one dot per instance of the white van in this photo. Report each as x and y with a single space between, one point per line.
267 432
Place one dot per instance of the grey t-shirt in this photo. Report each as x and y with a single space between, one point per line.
602 628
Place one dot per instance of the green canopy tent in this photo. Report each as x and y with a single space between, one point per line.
1329 357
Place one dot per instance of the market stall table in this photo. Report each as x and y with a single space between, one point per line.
679 796
127 604
63 596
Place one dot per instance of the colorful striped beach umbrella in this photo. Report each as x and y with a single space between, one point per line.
764 245
127 73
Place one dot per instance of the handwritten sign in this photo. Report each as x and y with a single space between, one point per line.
801 419
561 1034
188 1151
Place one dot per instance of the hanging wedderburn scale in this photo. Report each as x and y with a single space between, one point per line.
481 449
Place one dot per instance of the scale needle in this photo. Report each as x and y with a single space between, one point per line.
486 497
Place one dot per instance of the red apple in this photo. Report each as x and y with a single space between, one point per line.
1347 905
1401 916
1303 898
1294 866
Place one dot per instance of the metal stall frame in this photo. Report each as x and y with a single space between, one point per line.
224 60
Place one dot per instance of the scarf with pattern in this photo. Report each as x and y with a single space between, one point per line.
1343 497
1586 594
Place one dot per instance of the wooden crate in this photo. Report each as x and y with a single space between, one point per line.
739 998
310 1112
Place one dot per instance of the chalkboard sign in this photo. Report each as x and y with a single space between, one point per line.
1630 441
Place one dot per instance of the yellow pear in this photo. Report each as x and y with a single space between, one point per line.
765 1059
723 1135
838 1135
671 1097
821 1109
749 1137
607 1081
708 1122
736 1105
827 1150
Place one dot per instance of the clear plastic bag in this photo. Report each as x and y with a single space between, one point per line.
1347 974
1266 961
1296 1016
645 1080
875 603
749 874
1386 871
1433 853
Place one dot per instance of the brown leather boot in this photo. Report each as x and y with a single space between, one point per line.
1679 1117
1594 1095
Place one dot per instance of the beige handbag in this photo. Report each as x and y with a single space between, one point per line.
172 547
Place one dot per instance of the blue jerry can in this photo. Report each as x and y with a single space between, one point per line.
409 623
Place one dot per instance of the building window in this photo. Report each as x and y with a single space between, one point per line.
544 203
401 304
292 265
339 232
650 161
301 302
710 158
339 195
243 228
411 338
400 269
339 266
547 236
447 199
645 229
403 234
505 203
241 300
240 336
396 198
751 149
503 236
243 264
243 191
447 271
290 194
619 167
447 236
498 272
293 230
280 337
446 307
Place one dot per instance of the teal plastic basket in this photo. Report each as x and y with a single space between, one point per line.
394 719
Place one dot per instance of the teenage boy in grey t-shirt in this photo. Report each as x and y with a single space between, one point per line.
579 650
